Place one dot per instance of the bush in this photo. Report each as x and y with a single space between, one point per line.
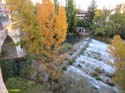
79 66
98 70
20 85
64 68
68 83
66 47
103 39
111 84
6 67
94 74
71 61
98 78
26 69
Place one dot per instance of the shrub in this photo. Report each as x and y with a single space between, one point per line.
6 66
98 70
79 66
111 84
94 74
98 78
26 69
64 68
103 39
68 83
22 85
66 47
71 61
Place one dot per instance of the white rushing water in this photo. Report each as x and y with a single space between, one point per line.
95 57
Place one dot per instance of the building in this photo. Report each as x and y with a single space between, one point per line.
80 30
81 14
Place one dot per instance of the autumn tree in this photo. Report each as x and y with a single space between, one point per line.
118 50
43 31
23 13
53 26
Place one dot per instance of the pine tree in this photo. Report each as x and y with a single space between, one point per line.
90 15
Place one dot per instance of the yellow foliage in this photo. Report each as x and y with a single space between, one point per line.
53 26
23 14
118 50
99 12
44 31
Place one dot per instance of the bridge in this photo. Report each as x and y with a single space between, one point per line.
13 34
7 32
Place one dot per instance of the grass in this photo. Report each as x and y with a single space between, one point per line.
20 85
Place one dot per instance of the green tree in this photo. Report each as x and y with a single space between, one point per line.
115 24
6 66
90 15
71 15
56 3
100 20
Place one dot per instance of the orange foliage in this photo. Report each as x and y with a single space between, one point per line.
53 26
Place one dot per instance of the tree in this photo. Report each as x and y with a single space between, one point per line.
56 3
118 50
115 23
44 30
100 20
53 26
23 12
90 15
71 15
